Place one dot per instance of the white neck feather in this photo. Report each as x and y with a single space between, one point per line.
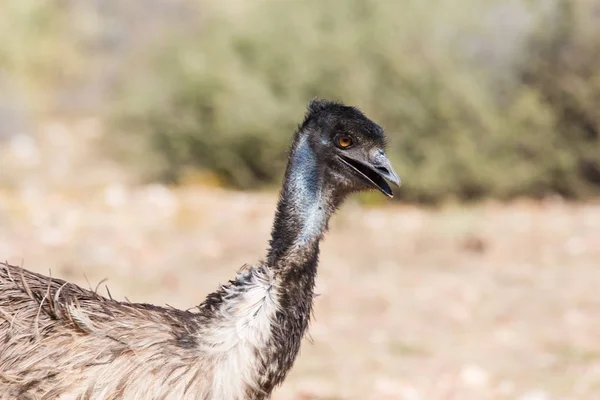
240 331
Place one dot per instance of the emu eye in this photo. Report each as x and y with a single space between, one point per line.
344 141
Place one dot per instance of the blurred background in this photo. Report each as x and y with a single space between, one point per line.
144 143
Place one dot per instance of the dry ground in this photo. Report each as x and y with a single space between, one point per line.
486 302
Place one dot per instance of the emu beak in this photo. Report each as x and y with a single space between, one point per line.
376 170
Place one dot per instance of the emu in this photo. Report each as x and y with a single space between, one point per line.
60 341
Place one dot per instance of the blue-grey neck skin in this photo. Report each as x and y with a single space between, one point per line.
304 207
305 193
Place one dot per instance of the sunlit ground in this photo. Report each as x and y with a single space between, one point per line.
487 302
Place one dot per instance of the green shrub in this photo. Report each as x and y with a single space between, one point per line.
466 120
38 51
563 67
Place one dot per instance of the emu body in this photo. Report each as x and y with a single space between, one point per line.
60 341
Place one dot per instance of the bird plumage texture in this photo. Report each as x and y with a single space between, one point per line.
60 341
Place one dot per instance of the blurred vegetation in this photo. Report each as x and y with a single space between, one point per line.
32 44
35 55
490 99
466 120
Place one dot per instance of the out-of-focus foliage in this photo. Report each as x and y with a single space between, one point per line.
562 66
35 56
483 98
65 56
34 48
492 98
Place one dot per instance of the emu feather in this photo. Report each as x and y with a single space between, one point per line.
50 327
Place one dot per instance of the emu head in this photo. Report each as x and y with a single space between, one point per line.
349 147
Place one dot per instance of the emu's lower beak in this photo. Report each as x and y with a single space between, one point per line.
376 171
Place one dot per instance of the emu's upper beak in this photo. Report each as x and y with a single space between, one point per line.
376 169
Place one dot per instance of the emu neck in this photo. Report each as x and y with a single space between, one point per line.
306 202
303 211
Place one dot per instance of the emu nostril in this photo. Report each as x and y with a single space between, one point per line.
386 171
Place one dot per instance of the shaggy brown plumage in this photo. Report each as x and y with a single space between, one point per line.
49 326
